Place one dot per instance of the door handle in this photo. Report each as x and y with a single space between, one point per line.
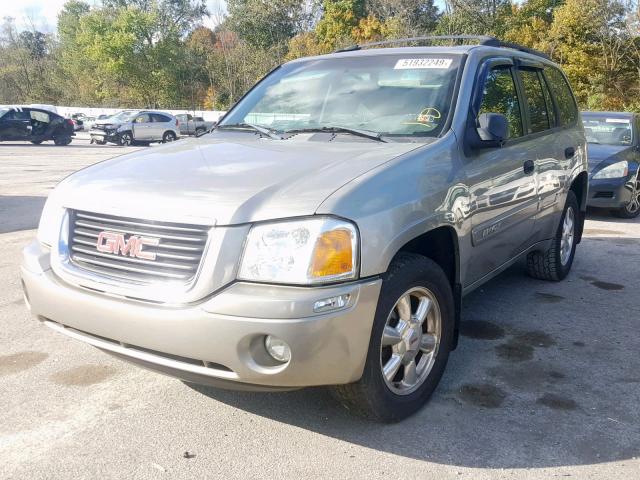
529 167
569 152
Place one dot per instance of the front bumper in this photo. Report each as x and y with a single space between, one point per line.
103 135
219 341
610 192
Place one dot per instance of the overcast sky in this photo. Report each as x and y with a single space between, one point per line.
43 13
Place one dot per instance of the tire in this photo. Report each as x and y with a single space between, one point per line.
62 141
631 209
36 142
125 139
555 263
168 137
377 397
200 132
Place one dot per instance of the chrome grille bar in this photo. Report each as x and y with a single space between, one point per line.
177 256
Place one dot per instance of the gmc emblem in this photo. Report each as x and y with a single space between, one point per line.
111 242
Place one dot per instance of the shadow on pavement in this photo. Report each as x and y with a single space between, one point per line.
20 212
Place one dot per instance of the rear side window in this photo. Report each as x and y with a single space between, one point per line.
500 96
560 89
39 116
536 104
553 121
160 118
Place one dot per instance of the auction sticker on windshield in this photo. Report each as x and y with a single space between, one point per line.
410 63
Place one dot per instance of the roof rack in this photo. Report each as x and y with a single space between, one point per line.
485 40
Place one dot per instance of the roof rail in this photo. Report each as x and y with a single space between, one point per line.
480 39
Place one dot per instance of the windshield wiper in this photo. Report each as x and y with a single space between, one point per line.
258 128
336 129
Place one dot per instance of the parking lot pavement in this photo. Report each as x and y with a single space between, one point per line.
545 382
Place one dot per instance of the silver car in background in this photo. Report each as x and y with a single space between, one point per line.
135 126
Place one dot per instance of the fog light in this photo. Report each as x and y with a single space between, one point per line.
277 348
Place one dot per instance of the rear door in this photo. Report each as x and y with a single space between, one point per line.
569 143
161 123
142 127
546 144
501 180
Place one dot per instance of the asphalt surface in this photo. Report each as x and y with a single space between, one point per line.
545 382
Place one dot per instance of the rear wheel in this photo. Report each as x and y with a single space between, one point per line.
555 262
168 137
62 140
200 132
632 209
410 342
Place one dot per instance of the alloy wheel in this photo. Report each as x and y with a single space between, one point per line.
566 240
410 341
125 139
634 204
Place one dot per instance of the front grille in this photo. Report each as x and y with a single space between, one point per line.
177 256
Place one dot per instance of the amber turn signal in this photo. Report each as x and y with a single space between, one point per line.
333 254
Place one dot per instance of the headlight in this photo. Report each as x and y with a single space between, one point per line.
314 250
615 170
50 221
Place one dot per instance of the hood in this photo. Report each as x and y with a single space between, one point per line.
606 154
225 178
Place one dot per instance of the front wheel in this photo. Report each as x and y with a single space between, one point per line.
410 342
168 137
125 139
555 262
632 209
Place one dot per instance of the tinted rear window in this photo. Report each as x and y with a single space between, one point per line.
160 118
536 103
564 98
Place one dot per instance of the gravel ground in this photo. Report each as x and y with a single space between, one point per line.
544 384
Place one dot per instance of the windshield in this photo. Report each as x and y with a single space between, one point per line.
392 95
607 130
124 116
3 111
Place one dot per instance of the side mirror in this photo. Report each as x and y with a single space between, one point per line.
493 129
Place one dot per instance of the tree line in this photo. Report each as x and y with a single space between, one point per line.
158 53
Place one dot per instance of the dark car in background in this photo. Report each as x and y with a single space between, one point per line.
34 125
614 156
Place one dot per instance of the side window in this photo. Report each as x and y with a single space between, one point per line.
144 118
18 115
156 117
553 121
500 96
560 89
536 104
40 116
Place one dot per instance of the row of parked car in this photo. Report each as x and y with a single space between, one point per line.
38 124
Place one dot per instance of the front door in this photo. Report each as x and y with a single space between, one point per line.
15 125
501 182
142 127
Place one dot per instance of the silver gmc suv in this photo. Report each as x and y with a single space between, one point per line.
325 232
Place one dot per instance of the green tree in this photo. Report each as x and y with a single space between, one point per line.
265 23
